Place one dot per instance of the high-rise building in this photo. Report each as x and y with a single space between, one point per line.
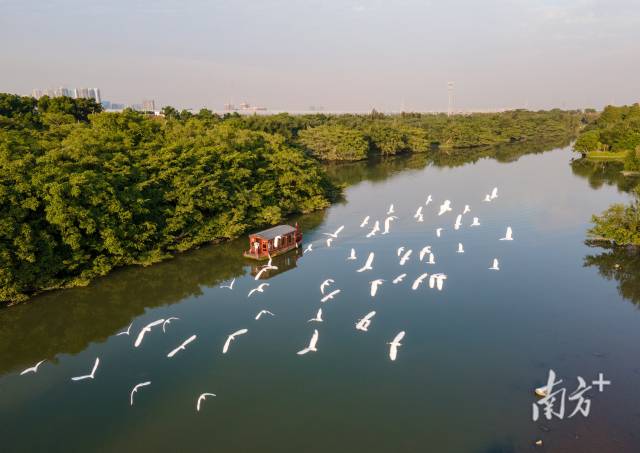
148 105
95 94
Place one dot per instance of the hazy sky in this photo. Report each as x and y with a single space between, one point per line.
340 54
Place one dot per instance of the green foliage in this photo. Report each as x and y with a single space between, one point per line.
79 199
616 129
619 223
334 142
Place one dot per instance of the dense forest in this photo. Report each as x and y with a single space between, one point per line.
84 191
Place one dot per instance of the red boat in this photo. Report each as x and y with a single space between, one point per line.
274 241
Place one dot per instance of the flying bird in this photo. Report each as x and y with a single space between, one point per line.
331 295
182 347
232 337
375 229
420 218
460 248
432 259
487 198
260 288
445 207
335 233
276 241
456 226
429 200
495 266
308 249
168 321
329 241
387 223
494 193
135 389
400 250
125 332
264 269
146 329
418 281
394 345
405 257
326 283
33 369
399 279
364 323
437 280
390 210
466 209
475 222
263 312
318 317
201 398
312 344
367 264
418 213
426 249
230 285
374 286
439 232
508 236
352 256
88 376
365 221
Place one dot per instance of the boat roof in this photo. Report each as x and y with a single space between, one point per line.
271 233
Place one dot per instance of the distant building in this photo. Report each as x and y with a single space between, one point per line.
115 106
148 105
106 105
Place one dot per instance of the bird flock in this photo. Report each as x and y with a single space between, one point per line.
328 292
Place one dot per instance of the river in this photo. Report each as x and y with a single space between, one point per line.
465 373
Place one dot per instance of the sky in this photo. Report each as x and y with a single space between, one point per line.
342 55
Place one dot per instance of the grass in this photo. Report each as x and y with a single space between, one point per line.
606 155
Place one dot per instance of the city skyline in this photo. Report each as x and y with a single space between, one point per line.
343 56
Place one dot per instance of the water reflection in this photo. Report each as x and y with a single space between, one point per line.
284 263
621 264
599 173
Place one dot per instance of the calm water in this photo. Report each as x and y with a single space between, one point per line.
463 378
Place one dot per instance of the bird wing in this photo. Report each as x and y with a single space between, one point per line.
399 337
369 315
303 351
369 260
340 228
252 291
95 366
314 339
225 348
393 351
141 336
260 272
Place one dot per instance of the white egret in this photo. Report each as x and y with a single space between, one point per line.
260 288
232 337
329 241
399 279
318 317
263 270
335 233
312 344
309 248
426 249
135 389
432 259
405 257
418 213
201 398
146 329
125 332
276 241
476 222
508 236
439 232
365 221
367 264
395 344
33 369
420 218
418 281
437 280
445 207
466 209
331 295
494 193
352 256
263 312
429 200
88 376
487 198
387 223
168 321
460 248
182 347
495 266
364 323
230 285
375 229
390 210
324 284
400 250
374 286
456 226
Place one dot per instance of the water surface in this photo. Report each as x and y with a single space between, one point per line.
464 375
